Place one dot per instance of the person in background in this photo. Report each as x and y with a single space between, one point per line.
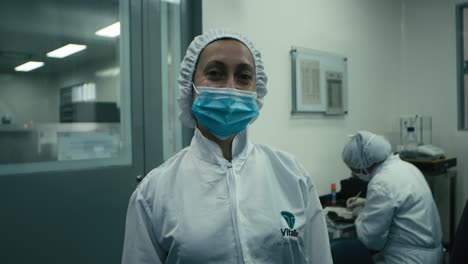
399 215
225 199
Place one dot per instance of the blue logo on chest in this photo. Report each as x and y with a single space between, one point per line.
290 220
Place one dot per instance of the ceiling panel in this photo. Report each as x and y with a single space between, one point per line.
30 29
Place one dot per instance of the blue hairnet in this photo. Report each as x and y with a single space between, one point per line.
365 149
187 70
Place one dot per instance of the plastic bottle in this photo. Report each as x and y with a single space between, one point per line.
411 141
333 194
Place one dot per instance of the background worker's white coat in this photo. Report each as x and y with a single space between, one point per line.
199 208
400 215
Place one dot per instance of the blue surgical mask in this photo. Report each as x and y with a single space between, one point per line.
363 175
224 111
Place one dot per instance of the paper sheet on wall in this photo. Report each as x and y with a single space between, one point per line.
310 71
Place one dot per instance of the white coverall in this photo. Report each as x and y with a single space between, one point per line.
200 208
400 215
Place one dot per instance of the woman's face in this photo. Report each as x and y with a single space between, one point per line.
226 63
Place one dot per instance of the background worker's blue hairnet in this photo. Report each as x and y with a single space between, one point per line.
365 149
187 70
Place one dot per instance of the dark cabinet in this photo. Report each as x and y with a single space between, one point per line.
104 112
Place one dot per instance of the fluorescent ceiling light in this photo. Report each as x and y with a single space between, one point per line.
29 66
111 72
66 50
111 31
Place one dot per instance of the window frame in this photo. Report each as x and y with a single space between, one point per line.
461 68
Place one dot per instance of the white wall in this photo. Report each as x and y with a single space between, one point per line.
401 61
430 79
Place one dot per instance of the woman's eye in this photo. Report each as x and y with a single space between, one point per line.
246 78
215 75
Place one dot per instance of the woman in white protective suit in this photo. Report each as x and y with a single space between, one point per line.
399 215
225 199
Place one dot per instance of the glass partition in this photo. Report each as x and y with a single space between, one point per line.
64 85
170 66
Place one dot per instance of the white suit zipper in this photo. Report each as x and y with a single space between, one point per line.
232 196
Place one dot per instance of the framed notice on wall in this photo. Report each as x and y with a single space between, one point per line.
319 82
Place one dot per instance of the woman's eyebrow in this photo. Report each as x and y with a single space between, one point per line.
245 66
215 63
